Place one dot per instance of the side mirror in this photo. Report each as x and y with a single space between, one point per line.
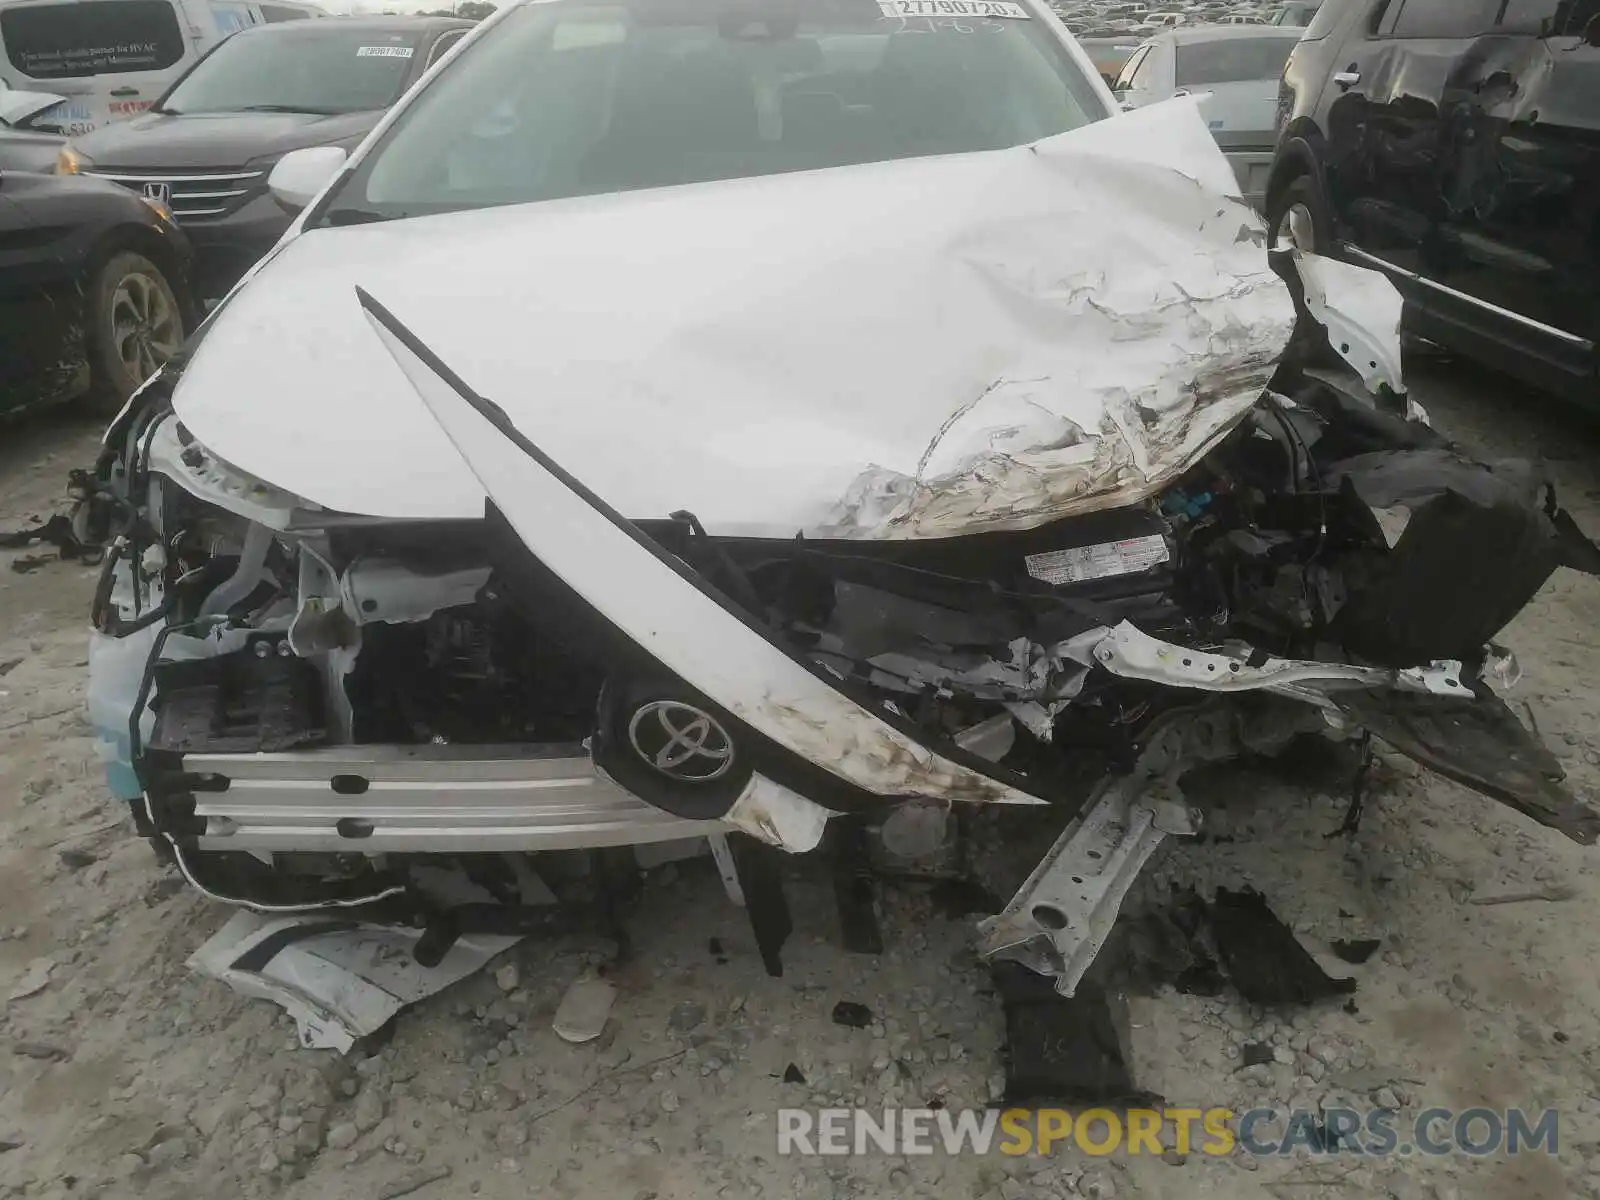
301 174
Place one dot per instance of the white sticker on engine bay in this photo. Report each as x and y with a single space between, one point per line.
953 8
1103 561
385 51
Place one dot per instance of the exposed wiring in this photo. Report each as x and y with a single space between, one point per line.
259 906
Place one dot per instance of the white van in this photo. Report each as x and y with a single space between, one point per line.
111 59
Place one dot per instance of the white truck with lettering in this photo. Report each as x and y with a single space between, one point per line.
109 60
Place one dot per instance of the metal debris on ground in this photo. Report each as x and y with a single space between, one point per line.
1554 895
413 1181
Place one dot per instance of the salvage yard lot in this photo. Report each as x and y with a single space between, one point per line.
124 1074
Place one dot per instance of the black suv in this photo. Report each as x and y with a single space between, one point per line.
1455 145
208 146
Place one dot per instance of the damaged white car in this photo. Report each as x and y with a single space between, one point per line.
693 417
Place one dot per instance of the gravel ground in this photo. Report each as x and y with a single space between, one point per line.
122 1074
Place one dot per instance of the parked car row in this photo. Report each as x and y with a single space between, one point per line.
207 146
108 60
1451 144
181 187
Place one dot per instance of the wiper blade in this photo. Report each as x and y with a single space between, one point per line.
353 216
290 108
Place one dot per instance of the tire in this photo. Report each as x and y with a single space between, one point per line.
1300 216
135 324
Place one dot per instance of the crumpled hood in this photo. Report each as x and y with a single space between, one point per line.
198 141
911 349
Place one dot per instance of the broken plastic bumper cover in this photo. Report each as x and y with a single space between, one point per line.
339 980
1479 743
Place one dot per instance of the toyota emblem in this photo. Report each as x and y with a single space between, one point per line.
681 741
159 193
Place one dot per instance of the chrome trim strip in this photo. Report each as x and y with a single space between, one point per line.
1379 264
442 799
158 177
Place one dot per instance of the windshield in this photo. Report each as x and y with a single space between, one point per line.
578 97
1232 61
310 69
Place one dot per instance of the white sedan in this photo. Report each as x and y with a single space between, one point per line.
1236 68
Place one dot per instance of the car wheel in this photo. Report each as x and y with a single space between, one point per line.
135 325
1299 218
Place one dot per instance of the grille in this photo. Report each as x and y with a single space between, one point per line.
197 195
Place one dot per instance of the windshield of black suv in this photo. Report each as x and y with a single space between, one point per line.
311 69
577 97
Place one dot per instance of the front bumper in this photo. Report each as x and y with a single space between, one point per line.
419 799
227 247
1253 168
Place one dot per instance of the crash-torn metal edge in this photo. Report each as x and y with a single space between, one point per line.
1361 311
1064 911
673 613
339 980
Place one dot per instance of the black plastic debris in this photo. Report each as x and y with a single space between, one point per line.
42 1051
853 889
793 1074
1256 1054
718 952
58 532
1062 1050
1356 951
1479 742
960 898
851 1014
1262 956
759 869
1169 947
